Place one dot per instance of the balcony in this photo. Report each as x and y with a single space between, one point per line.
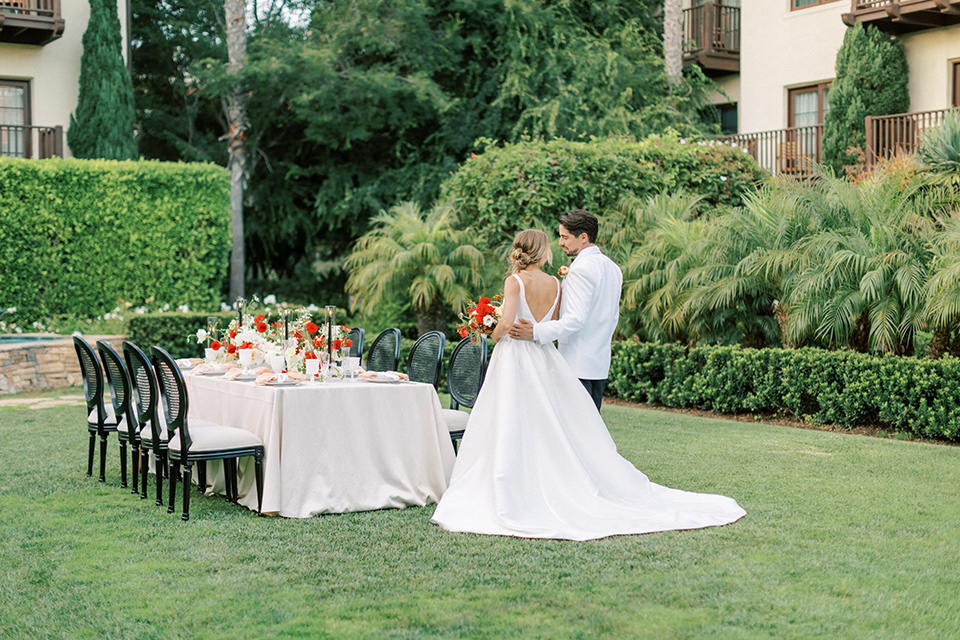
711 37
903 16
900 134
794 151
30 21
31 142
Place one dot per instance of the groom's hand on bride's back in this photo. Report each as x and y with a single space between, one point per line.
522 330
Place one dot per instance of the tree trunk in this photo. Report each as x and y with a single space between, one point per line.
237 123
673 40
780 313
939 343
860 338
433 318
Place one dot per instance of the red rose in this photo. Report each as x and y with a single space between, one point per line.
348 343
344 328
246 345
310 356
463 332
311 327
231 348
233 333
336 344
318 342
262 327
215 345
258 319
483 300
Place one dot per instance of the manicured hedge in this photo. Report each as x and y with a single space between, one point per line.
912 395
77 236
505 189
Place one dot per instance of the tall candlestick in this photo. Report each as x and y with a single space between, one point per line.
286 324
331 313
240 302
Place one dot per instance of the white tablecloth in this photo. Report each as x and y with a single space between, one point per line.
333 447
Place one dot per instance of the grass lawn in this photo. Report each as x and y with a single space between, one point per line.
845 537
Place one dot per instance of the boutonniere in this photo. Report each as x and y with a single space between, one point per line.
562 272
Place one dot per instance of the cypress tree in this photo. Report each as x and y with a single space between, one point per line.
871 80
103 124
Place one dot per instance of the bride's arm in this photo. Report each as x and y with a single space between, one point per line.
511 302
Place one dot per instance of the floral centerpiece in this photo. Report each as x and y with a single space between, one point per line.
480 318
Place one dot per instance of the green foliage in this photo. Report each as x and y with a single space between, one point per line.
845 388
77 236
376 103
508 188
940 151
175 332
423 255
103 124
872 77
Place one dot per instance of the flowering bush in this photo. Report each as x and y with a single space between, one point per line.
481 318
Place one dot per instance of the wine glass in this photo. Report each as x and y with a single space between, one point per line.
212 322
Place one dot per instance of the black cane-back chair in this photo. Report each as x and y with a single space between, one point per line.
212 442
465 373
355 336
101 421
127 426
384 353
426 358
153 437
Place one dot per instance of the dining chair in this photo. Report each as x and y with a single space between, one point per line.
153 437
384 353
101 421
118 380
212 442
426 358
465 373
355 336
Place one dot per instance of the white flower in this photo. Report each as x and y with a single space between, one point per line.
271 299
225 307
184 308
201 335
489 321
682 141
723 178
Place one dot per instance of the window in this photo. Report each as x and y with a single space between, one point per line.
807 105
956 84
728 118
14 118
803 4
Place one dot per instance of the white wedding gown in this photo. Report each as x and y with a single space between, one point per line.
537 461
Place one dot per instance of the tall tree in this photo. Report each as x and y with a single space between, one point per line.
103 124
236 17
872 77
673 40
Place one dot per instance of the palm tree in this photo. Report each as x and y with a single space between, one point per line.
865 285
942 293
940 152
423 256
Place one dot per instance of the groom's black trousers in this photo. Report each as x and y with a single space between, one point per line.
595 389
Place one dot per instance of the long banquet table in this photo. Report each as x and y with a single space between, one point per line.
333 447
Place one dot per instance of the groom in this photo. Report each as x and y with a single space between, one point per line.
589 307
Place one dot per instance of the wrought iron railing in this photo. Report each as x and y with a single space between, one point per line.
898 134
794 151
31 142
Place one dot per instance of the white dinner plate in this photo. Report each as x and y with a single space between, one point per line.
282 383
243 377
218 372
383 379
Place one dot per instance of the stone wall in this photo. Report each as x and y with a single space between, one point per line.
43 364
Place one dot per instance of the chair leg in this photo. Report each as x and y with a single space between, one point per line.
103 458
230 480
144 465
123 464
258 466
174 473
187 473
135 468
202 476
93 446
161 467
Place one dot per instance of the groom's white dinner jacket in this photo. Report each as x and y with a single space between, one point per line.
589 311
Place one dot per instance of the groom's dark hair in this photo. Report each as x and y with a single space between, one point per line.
579 221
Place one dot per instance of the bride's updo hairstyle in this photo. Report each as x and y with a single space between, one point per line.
530 246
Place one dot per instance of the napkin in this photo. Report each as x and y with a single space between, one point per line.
188 362
380 375
270 376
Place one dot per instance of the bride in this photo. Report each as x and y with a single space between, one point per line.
536 459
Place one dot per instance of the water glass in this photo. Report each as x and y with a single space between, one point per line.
211 355
313 367
278 363
246 358
351 365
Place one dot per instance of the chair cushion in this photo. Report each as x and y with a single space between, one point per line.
456 420
111 419
123 426
146 434
216 437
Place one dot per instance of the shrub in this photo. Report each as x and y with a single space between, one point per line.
844 388
77 236
529 184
